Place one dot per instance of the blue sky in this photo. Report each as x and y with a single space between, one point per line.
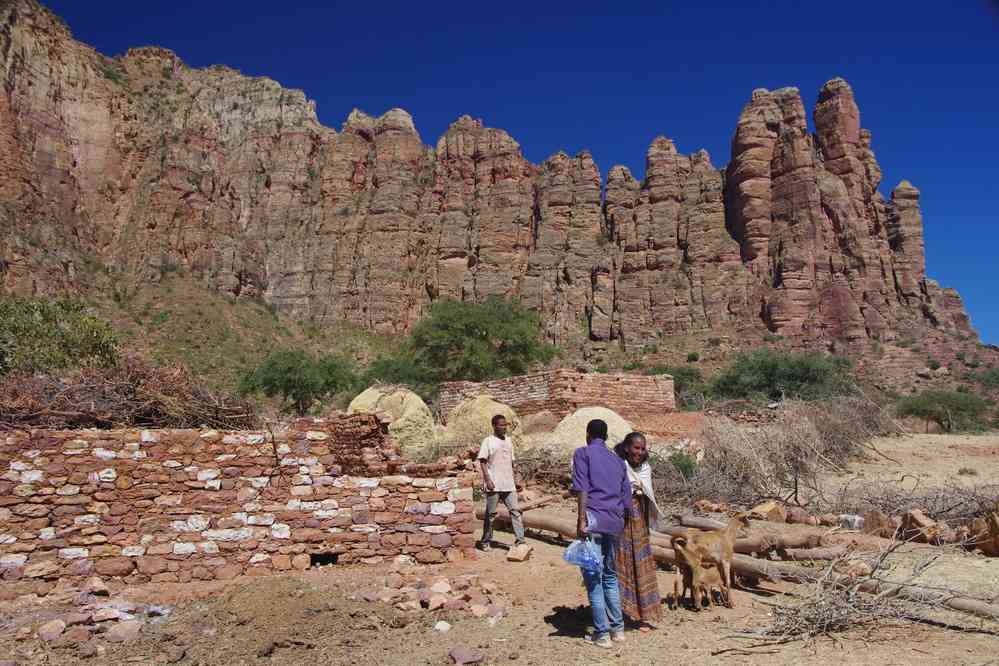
609 77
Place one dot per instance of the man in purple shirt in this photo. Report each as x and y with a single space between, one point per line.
603 492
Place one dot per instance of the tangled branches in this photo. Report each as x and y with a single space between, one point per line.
130 394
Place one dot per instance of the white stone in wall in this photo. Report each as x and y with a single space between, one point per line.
149 437
446 484
423 483
301 491
32 476
302 479
133 551
137 455
207 474
442 508
19 466
173 464
329 504
210 435
107 474
258 482
169 500
7 539
261 519
224 457
335 530
255 438
105 454
283 449
310 506
46 533
184 548
192 469
198 522
74 447
67 490
324 481
146 539
13 560
73 553
435 529
233 439
324 513
241 534
87 519
460 495
294 505
214 484
316 436
251 506
379 492
241 516
280 531
208 547
11 475
316 470
260 557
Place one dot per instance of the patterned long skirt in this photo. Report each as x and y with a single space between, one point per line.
636 568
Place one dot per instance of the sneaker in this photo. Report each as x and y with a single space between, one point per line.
617 636
485 547
601 642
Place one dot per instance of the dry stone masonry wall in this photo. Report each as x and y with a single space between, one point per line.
176 505
638 398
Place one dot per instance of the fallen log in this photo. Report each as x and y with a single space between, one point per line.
754 543
806 554
775 571
543 501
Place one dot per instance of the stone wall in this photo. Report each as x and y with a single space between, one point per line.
638 398
176 505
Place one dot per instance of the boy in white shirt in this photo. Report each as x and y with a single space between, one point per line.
496 461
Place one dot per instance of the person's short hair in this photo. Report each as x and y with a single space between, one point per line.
622 448
497 418
596 429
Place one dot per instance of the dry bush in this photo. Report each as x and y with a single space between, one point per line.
951 502
781 459
835 603
131 394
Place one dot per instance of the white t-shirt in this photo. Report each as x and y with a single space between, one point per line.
498 454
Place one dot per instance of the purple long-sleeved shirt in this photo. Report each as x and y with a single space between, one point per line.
600 473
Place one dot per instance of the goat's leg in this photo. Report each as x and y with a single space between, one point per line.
727 583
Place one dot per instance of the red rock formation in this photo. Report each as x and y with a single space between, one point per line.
142 164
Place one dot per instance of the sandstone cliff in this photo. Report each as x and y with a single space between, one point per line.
118 170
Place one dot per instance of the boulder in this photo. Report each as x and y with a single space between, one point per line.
411 423
519 553
471 421
570 433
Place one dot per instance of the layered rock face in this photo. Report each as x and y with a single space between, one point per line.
138 166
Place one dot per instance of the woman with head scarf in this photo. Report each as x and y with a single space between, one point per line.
636 567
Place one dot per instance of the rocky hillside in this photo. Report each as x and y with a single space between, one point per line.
116 172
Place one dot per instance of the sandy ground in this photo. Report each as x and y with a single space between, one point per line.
310 617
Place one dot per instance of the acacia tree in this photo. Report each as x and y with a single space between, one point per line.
299 379
479 341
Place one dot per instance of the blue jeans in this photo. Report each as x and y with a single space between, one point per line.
605 598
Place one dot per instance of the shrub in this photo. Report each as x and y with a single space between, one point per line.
765 374
905 342
693 357
688 383
989 378
42 335
967 471
402 368
951 410
299 379
684 463
933 364
479 341
632 365
650 349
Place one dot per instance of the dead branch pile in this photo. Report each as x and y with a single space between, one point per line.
780 459
834 603
131 394
955 503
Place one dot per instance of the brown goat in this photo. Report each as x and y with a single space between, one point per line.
718 547
701 578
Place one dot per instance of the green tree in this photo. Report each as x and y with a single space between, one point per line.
765 374
43 334
951 410
478 341
299 379
402 368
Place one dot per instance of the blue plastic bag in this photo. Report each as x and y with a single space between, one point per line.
584 554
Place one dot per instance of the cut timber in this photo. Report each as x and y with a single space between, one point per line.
754 543
748 566
805 554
